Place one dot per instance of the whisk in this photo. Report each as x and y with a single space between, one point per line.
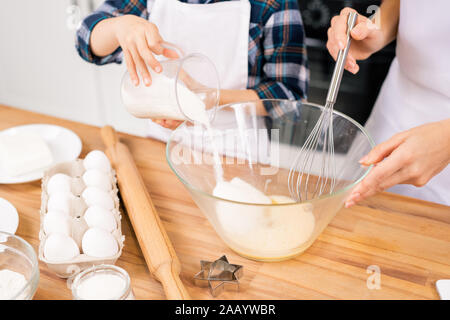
302 184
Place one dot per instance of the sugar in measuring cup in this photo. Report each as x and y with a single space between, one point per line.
102 282
187 89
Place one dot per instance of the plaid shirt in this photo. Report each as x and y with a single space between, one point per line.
277 63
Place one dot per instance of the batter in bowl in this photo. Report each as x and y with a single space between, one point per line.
262 228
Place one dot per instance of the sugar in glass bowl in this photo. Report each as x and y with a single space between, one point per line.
18 256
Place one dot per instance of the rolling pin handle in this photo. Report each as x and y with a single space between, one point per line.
109 136
174 289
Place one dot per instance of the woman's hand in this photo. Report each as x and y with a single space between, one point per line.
410 157
140 41
367 37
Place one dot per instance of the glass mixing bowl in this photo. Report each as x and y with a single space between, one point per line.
17 255
259 150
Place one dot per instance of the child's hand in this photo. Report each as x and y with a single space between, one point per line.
140 40
168 123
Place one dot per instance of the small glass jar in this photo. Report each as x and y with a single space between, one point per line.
102 282
17 255
184 89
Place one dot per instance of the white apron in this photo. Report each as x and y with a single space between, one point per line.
217 30
417 88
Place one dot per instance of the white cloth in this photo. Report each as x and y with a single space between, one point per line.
217 30
417 88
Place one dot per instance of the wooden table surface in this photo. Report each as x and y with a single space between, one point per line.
407 239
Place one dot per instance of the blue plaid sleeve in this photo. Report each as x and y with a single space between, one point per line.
109 9
285 73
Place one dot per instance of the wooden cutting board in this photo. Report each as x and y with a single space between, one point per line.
408 240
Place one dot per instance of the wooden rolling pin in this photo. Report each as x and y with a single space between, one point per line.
158 251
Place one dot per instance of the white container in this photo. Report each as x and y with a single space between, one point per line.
75 170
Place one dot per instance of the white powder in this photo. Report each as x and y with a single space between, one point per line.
218 170
262 229
239 190
11 283
158 101
101 287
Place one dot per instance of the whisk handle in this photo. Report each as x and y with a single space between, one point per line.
340 61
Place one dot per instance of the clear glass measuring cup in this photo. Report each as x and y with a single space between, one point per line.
101 282
187 89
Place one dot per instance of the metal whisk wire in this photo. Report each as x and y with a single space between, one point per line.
299 178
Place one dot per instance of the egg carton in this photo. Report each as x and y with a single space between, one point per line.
65 269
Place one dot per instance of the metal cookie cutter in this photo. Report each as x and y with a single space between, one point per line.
219 275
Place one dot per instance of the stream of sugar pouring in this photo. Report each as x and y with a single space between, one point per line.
218 170
196 111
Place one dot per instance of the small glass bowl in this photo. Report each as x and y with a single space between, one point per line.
17 255
104 269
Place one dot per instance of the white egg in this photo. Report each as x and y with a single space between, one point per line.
57 222
101 218
99 243
93 196
96 159
60 247
97 178
59 182
60 201
58 213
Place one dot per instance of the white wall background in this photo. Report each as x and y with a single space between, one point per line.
41 71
